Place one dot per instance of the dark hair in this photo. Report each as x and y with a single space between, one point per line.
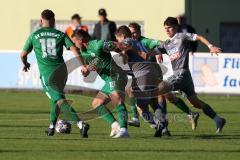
124 30
76 16
135 25
48 14
79 33
171 21
102 12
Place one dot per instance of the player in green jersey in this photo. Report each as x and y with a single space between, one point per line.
135 29
48 44
97 53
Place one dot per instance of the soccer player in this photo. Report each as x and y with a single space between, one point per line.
48 43
97 53
144 84
135 29
177 47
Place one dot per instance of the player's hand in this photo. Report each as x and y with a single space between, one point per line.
215 50
85 71
26 67
159 58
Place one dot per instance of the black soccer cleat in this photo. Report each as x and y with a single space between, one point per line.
50 131
166 132
84 130
220 125
158 132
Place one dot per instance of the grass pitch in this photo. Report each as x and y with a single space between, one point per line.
24 117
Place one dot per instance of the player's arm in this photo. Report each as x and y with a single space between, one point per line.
26 50
212 48
70 45
196 37
26 65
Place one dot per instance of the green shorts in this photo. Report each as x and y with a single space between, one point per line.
53 86
114 84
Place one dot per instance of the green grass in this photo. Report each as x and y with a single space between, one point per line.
24 117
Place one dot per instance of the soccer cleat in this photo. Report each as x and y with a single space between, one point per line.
134 122
153 126
115 130
166 132
122 134
194 119
158 132
84 130
220 125
50 131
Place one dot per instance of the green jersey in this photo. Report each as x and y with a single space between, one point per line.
47 44
97 53
150 44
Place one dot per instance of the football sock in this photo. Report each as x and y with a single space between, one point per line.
217 119
182 105
105 114
53 113
122 115
209 111
163 104
69 113
148 117
133 107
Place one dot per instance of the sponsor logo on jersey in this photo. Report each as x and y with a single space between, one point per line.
175 56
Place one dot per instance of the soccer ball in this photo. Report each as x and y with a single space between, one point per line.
63 126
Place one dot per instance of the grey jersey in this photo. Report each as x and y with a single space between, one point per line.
178 48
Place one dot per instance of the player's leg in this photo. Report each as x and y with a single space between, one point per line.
208 111
189 90
180 104
134 121
163 103
159 118
98 104
53 88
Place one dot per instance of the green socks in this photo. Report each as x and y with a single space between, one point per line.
53 113
182 106
69 113
105 114
122 115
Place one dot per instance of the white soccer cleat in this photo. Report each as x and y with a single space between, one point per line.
115 129
134 122
194 119
123 133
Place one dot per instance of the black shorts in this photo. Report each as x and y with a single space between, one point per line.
182 81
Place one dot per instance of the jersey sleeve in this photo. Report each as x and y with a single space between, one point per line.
28 45
190 36
67 42
150 43
160 48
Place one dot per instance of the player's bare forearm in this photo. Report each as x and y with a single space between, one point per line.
26 65
212 48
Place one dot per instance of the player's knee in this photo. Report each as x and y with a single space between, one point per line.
60 102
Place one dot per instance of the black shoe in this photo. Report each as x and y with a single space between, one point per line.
50 131
220 125
166 132
84 130
158 132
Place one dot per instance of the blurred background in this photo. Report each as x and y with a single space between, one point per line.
217 20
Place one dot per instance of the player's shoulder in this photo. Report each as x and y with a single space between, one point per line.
96 45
